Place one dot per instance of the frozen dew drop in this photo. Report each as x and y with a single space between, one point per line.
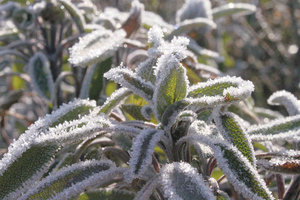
293 49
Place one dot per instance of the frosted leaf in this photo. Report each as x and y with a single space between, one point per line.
230 127
190 25
182 181
267 113
75 14
134 111
96 47
115 99
70 181
287 99
151 19
280 165
130 80
104 193
221 91
279 129
93 82
237 168
28 159
141 152
233 8
41 76
146 70
155 37
147 111
198 50
147 189
171 87
192 9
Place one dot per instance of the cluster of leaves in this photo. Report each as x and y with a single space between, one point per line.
166 133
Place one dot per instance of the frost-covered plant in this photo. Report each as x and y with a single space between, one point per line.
161 134
177 136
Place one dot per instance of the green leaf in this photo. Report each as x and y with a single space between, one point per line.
240 173
70 181
96 47
114 100
75 14
107 194
225 90
231 129
146 70
141 152
171 87
233 8
134 111
279 129
130 80
182 181
30 156
28 165
93 83
41 76
237 168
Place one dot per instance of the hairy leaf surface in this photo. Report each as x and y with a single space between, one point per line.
114 100
172 87
29 156
279 129
96 47
232 130
182 181
141 152
72 180
128 79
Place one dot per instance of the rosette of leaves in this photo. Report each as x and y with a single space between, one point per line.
163 143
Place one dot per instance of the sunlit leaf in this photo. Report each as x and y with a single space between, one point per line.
96 47
232 130
41 76
279 129
182 181
134 111
220 91
128 79
170 88
114 100
233 8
